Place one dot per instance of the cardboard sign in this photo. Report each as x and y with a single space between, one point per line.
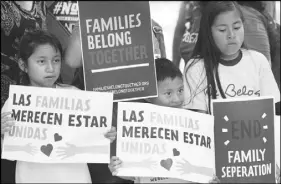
244 140
58 125
117 48
156 141
66 12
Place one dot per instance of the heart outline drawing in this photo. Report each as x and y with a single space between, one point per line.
47 149
176 152
167 164
57 137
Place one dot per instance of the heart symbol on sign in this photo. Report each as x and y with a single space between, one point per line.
57 137
176 152
167 164
47 149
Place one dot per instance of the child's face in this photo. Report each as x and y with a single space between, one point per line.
170 93
43 67
228 33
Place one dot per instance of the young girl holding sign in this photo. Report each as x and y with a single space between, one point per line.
40 58
221 67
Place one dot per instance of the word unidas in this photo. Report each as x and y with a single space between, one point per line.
29 132
138 147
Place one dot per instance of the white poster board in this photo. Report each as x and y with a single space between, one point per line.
58 125
155 141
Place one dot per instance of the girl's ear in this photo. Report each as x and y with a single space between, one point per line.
22 65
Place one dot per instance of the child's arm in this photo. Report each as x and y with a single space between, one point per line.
116 163
6 124
73 52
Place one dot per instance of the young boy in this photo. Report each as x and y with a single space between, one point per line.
170 94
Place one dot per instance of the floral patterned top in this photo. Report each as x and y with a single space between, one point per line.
15 21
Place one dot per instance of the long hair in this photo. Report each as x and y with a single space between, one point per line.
206 49
29 42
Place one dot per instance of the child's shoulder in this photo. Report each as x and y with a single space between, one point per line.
66 86
253 53
194 66
255 56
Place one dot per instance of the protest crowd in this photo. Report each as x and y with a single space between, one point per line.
88 94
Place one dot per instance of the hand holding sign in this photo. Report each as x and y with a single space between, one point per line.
6 122
114 165
111 134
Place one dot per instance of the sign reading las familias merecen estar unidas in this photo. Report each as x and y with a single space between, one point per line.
57 125
117 48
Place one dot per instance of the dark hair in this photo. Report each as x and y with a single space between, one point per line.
258 5
206 48
166 69
30 41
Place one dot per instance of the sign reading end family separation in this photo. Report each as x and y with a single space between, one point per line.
156 141
58 125
117 48
244 140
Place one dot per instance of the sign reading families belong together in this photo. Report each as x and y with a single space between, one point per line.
117 48
155 141
58 125
244 140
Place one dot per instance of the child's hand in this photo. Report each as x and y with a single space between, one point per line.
111 134
215 179
114 164
6 122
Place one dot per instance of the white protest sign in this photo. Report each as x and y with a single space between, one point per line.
58 125
156 141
